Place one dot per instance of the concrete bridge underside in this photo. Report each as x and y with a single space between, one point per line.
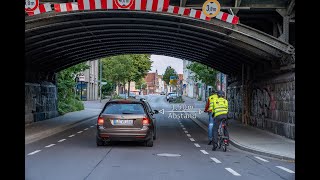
254 61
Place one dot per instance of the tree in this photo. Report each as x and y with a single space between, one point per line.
66 83
141 66
141 84
126 68
169 72
203 73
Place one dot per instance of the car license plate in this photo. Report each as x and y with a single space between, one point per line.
122 122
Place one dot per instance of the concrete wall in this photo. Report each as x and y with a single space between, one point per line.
271 104
40 101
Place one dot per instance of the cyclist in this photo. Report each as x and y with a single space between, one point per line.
208 108
220 111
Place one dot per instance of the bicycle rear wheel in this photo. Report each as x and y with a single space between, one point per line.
224 147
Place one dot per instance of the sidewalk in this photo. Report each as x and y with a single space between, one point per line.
49 127
252 139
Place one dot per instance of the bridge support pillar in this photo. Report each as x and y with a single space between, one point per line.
40 96
265 101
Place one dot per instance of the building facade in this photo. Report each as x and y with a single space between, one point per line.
88 85
152 83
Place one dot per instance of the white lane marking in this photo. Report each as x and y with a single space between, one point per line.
61 140
91 126
204 152
71 135
232 172
261 159
188 135
215 160
184 129
285 169
32 153
196 144
79 132
85 129
191 139
186 132
50 145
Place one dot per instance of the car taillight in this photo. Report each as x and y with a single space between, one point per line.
100 121
145 121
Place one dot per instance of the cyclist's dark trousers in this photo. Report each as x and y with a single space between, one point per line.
217 121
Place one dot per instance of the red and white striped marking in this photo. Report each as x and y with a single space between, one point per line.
140 5
179 10
228 18
41 9
92 4
198 15
188 12
157 5
66 7
110 4
144 5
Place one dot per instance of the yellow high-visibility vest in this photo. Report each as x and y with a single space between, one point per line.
220 106
211 98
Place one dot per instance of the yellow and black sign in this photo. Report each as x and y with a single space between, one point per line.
211 8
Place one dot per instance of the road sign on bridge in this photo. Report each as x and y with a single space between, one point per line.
31 5
211 8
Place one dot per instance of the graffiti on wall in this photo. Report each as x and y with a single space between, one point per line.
271 105
261 101
235 100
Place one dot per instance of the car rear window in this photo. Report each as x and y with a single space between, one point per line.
117 108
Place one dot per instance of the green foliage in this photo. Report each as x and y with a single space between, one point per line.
141 84
199 98
116 97
67 102
203 73
178 100
69 105
124 68
169 72
108 88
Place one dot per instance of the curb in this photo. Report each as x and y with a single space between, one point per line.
256 151
50 132
246 148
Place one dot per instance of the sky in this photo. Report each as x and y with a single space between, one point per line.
162 62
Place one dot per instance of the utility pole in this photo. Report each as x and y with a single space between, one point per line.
100 64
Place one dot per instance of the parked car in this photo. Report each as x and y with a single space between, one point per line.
172 97
126 120
132 95
162 93
124 96
169 95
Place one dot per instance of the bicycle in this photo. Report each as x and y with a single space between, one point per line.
223 140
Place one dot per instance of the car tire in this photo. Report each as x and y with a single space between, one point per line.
99 142
149 142
155 134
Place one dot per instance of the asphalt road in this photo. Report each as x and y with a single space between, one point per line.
180 152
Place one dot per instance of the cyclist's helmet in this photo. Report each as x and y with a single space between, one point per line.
213 91
220 94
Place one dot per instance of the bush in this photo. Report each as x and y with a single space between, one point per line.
178 100
69 105
200 98
116 97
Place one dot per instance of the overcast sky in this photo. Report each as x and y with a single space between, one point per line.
162 62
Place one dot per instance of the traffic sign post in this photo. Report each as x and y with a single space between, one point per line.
31 5
211 8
